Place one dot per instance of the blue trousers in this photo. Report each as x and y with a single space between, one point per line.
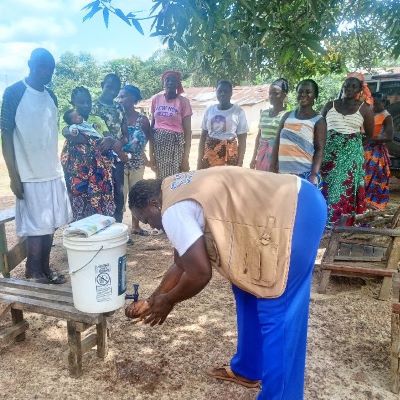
272 333
118 181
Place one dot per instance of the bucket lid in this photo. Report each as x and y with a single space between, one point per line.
111 232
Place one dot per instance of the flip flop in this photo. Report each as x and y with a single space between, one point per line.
54 278
225 373
140 232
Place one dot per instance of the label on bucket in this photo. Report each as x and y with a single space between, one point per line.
121 275
103 282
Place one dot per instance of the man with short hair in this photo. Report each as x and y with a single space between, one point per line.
29 128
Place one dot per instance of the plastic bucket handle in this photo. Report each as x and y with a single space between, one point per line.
80 268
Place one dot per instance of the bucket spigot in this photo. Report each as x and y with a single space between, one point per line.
135 295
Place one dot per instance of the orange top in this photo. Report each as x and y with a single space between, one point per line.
379 120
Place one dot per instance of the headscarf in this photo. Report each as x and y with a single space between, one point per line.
178 77
365 92
283 84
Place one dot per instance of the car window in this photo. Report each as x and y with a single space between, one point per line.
390 88
372 86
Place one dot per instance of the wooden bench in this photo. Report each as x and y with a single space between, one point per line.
55 301
352 251
9 259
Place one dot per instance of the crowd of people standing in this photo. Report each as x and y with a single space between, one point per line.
340 150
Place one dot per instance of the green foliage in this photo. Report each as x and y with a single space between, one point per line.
243 39
82 70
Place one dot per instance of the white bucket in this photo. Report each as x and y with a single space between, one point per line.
97 266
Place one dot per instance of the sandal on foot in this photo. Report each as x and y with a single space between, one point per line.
54 278
225 373
140 232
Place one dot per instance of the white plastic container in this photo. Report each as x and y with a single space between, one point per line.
97 266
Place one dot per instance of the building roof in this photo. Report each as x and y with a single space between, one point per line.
201 97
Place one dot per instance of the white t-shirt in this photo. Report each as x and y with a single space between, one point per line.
36 137
184 223
224 124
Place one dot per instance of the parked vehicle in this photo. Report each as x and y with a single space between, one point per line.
389 84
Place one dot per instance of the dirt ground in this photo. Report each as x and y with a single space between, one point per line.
348 342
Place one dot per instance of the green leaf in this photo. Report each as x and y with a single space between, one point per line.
137 25
106 15
93 11
92 4
119 13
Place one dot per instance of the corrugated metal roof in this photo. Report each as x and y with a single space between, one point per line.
201 97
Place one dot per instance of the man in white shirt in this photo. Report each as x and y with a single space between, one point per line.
29 128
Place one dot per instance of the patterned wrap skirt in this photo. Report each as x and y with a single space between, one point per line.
220 152
343 177
264 153
377 175
169 147
88 176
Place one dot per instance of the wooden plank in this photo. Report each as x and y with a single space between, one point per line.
394 255
396 288
56 298
40 287
324 281
62 311
396 308
17 316
16 255
88 342
102 339
358 258
82 327
8 334
3 250
386 287
395 353
75 350
332 248
367 231
7 215
4 307
335 268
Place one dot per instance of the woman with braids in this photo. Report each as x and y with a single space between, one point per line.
377 161
224 131
268 126
172 127
301 137
87 165
342 168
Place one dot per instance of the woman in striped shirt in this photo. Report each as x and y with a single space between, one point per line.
269 123
342 169
301 137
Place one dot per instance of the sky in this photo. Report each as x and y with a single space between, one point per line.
57 25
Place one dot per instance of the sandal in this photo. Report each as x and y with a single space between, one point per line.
225 373
54 278
140 232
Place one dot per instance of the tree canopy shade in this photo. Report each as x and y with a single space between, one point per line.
238 39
